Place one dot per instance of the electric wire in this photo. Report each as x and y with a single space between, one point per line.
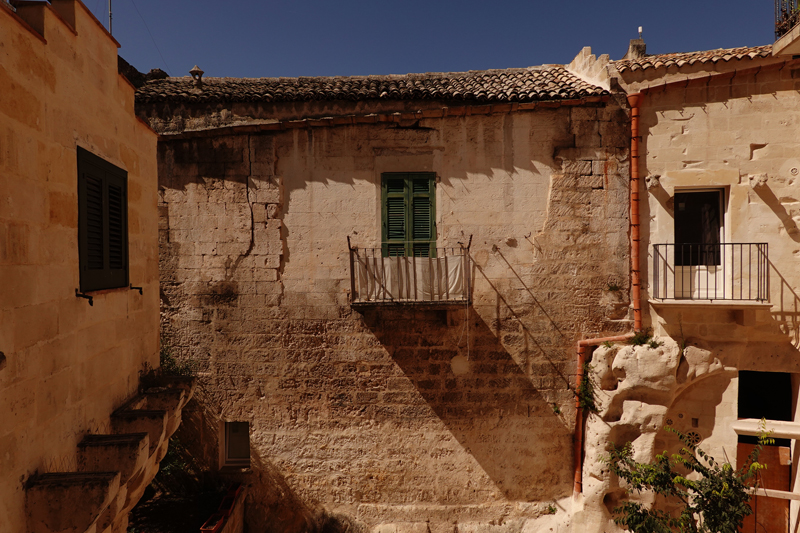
169 70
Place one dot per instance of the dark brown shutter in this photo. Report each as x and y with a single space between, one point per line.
102 223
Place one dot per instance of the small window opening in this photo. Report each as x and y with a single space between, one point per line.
237 444
765 395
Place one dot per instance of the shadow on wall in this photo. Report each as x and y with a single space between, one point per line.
271 505
494 409
787 313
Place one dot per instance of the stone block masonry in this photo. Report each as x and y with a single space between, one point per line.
404 414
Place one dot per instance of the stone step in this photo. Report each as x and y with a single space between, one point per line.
126 453
71 501
150 421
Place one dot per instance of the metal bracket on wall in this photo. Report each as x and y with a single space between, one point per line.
86 296
136 289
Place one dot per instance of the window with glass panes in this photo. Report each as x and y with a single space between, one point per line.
408 214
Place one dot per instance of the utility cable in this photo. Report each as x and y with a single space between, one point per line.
151 37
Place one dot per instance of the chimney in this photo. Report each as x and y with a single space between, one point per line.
637 49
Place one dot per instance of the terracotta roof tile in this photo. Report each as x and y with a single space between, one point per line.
690 58
509 85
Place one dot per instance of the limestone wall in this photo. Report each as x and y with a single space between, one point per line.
726 126
395 416
64 366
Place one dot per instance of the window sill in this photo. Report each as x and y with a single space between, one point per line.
235 469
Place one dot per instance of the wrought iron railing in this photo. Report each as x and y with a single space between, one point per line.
380 277
786 16
725 271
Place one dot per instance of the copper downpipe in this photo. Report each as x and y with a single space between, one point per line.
634 101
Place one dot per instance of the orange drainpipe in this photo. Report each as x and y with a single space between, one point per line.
633 100
636 296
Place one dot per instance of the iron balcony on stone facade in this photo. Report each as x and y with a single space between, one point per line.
787 16
427 276
716 271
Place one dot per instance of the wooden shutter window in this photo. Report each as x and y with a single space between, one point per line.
94 223
116 238
408 214
102 223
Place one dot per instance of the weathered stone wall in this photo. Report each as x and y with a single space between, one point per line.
64 366
726 127
720 132
730 132
395 416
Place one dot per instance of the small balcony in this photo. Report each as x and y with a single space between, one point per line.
432 277
787 29
728 272
786 17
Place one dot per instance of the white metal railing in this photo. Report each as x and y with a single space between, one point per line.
441 276
723 271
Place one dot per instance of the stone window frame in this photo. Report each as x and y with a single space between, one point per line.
232 430
102 223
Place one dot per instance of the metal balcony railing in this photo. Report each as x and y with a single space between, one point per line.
725 271
786 16
377 277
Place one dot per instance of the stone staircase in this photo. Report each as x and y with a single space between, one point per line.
114 469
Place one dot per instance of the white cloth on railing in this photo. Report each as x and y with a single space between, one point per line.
410 278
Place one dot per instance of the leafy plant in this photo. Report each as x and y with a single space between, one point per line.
171 366
607 344
641 337
715 500
551 509
586 390
652 343
556 409
613 287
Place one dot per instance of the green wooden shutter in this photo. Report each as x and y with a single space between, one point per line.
408 214
422 217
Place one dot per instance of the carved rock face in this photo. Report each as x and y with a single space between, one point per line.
636 385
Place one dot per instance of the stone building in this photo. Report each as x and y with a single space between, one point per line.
382 280
78 232
717 138
370 399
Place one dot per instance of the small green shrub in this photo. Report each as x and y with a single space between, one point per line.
586 390
170 366
715 501
613 287
641 337
652 343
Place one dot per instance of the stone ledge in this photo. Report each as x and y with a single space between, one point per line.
744 311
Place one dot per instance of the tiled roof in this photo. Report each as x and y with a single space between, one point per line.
508 85
690 58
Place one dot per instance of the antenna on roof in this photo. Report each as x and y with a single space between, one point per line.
640 28
109 18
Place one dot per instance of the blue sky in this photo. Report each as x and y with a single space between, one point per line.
355 37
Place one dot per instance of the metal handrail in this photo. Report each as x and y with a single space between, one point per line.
787 16
408 279
723 271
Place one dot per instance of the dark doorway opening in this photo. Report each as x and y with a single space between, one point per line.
698 225
765 395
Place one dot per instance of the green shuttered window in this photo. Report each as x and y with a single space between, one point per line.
409 226
102 223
